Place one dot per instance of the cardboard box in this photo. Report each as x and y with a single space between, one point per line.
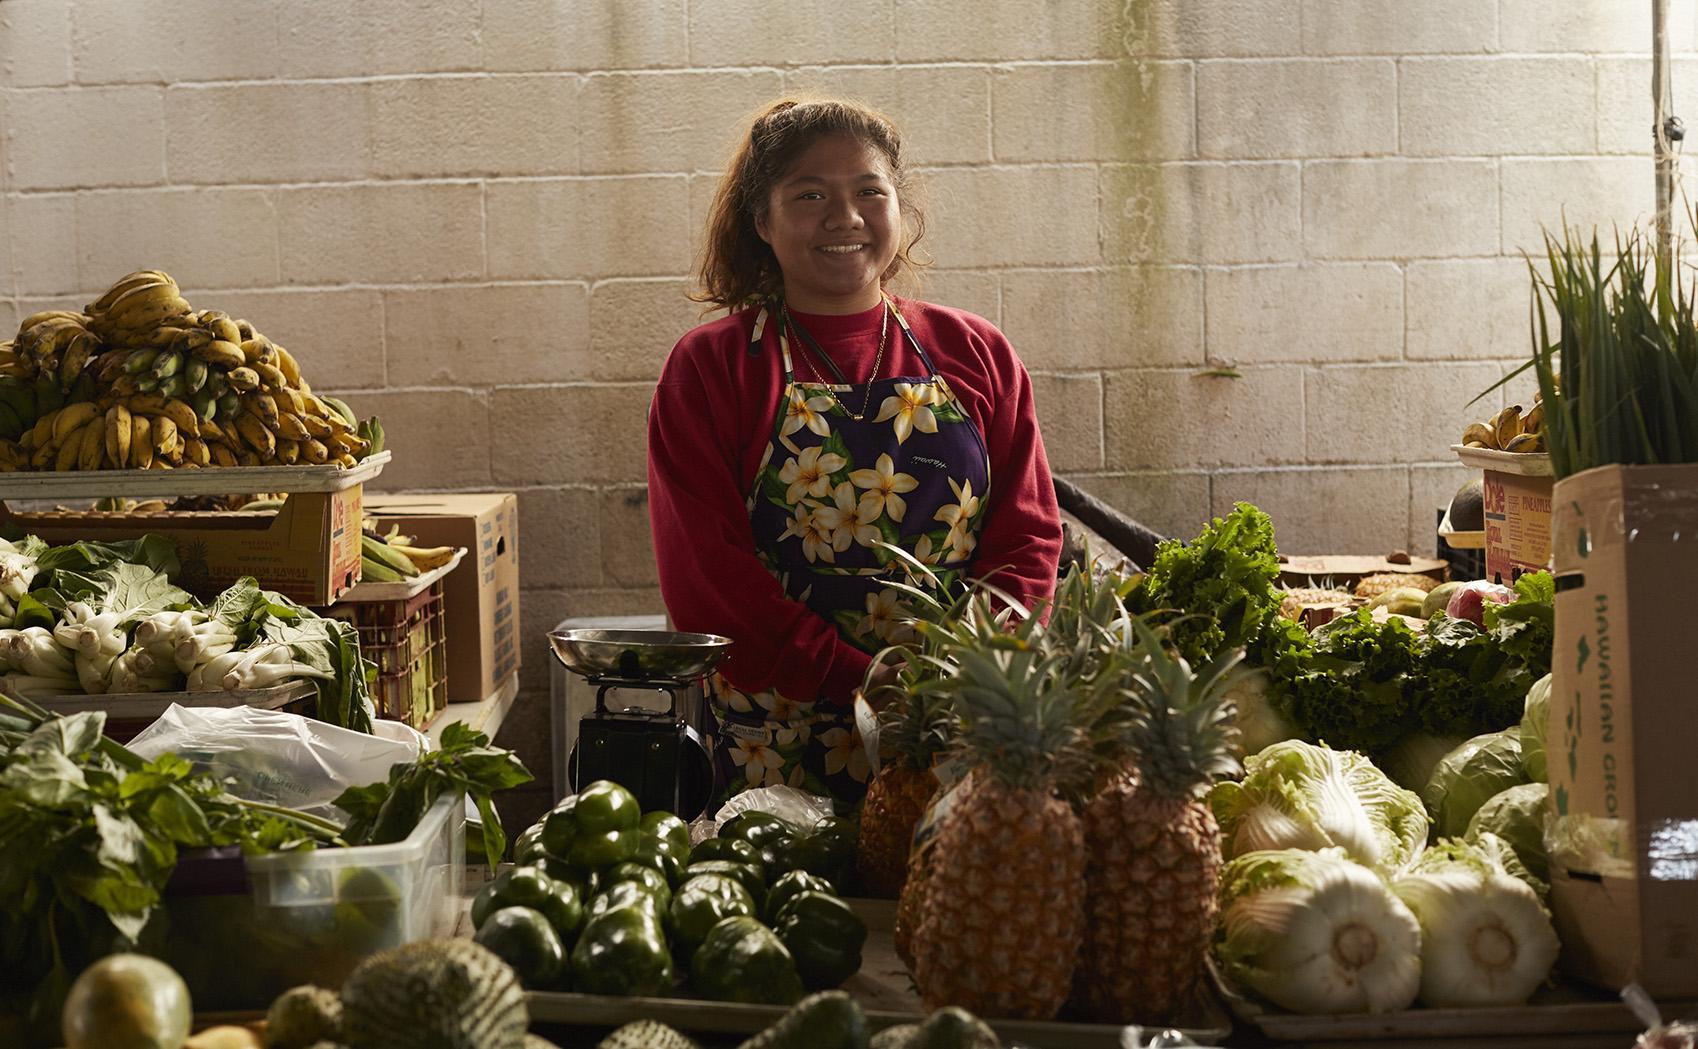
1518 524
309 551
482 595
1623 809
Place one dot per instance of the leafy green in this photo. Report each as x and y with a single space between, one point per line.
1299 795
1535 722
328 645
1355 692
1467 776
1223 580
387 812
156 552
1517 815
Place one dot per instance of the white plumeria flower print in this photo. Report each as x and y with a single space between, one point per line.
816 541
908 406
759 761
809 474
731 698
879 617
806 411
959 517
846 754
849 520
884 487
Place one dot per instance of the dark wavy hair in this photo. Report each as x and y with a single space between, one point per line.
737 266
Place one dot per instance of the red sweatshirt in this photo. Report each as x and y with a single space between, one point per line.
710 421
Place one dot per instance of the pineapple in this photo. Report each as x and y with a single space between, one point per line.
1001 905
913 729
1152 844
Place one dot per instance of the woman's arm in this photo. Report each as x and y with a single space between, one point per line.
710 578
1020 546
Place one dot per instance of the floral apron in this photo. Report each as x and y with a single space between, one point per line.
830 488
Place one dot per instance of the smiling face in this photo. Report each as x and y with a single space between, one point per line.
834 223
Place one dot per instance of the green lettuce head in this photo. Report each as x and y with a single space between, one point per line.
1533 722
1477 770
1298 795
1518 817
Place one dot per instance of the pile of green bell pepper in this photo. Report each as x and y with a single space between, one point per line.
751 915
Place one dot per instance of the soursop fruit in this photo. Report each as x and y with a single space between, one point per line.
434 994
302 1016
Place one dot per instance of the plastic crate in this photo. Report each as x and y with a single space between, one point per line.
407 641
243 931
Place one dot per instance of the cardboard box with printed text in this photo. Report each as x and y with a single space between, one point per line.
1622 826
482 594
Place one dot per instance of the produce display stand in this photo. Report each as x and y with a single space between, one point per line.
209 480
883 989
1521 464
128 713
1565 1016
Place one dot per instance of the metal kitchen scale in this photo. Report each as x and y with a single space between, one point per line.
653 752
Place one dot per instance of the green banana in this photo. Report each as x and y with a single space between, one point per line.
377 550
205 404
48 396
18 395
229 403
194 374
172 385
84 389
167 365
141 360
10 425
340 407
375 571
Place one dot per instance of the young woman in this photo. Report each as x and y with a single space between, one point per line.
823 419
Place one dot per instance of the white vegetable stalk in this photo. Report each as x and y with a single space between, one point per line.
136 671
92 634
161 632
35 651
267 664
209 676
1314 932
30 686
6 664
1485 938
17 572
202 643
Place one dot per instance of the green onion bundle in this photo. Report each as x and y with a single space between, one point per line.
1626 349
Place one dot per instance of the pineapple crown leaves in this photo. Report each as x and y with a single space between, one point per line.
1178 721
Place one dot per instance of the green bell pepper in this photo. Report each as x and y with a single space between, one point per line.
595 828
827 850
664 856
556 900
647 877
530 836
704 902
624 895
824 936
734 849
789 886
622 951
756 828
667 827
747 876
743 961
527 941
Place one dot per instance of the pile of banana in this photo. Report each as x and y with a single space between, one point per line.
140 380
392 557
1509 430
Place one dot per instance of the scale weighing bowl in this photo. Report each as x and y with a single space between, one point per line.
638 655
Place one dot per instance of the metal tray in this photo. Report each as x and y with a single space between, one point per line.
637 654
168 484
365 592
882 987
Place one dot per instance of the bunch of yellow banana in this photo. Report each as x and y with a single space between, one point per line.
142 380
1509 430
392 557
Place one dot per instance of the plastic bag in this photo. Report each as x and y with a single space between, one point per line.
1658 1035
787 803
280 758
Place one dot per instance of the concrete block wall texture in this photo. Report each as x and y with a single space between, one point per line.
479 220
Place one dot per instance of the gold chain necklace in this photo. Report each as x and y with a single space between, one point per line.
809 345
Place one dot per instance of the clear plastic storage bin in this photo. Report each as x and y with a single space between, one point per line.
243 932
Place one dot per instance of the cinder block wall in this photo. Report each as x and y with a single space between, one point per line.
478 219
